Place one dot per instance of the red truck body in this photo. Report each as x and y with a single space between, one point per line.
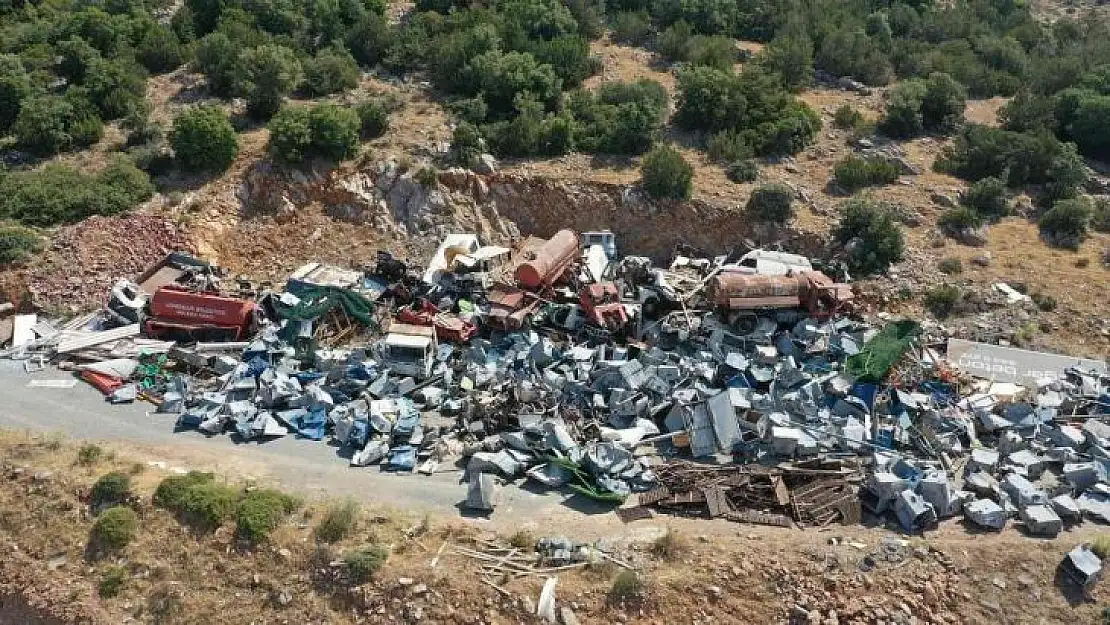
448 327
202 316
602 304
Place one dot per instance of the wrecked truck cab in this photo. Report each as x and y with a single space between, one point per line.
409 350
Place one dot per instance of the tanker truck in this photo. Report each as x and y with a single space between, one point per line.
539 266
741 299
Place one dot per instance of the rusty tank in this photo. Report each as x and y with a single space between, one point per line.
806 289
549 262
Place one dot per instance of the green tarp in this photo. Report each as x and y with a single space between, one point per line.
317 301
876 358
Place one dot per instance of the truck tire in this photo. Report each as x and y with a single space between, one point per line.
745 323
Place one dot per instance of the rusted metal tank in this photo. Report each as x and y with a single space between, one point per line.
726 288
548 263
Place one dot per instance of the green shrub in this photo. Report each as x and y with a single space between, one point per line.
773 203
57 194
466 144
628 589
620 118
847 118
159 50
114 528
426 176
960 218
331 71
203 139
666 174
266 75
849 51
18 244
171 492
1046 303
742 171
110 490
632 27
569 56
673 42
338 522
716 51
871 232
260 512
15 87
951 266
48 124
112 582
902 119
361 564
1100 215
196 499
207 505
941 300
373 119
216 56
1066 224
728 147
88 454
856 172
942 107
116 88
326 131
790 56
370 39
501 76
987 197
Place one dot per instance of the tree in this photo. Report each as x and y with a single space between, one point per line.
1066 223
942 107
903 110
772 202
370 39
632 27
871 235
466 144
116 88
204 140
267 74
987 197
1090 127
331 71
75 57
500 76
791 57
159 50
217 57
48 124
856 172
298 133
334 131
666 174
15 87
373 119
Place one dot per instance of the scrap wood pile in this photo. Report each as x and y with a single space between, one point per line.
807 492
739 387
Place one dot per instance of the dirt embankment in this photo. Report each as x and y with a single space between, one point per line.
393 204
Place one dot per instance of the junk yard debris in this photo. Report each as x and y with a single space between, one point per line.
737 387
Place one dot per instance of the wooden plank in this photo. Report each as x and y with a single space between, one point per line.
97 338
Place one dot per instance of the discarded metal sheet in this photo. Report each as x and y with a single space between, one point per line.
1010 364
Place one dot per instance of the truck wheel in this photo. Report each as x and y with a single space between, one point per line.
745 324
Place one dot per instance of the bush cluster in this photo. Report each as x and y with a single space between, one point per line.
771 121
326 131
204 140
987 197
196 499
1066 223
18 243
1018 158
772 202
361 564
871 234
260 512
114 529
941 300
57 194
111 489
916 106
666 174
856 172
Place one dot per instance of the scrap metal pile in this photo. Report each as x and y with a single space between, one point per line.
739 387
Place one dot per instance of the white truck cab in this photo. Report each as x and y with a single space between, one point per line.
409 350
768 263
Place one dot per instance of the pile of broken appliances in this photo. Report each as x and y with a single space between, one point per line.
739 387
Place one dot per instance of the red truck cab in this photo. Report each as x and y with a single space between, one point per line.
200 316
